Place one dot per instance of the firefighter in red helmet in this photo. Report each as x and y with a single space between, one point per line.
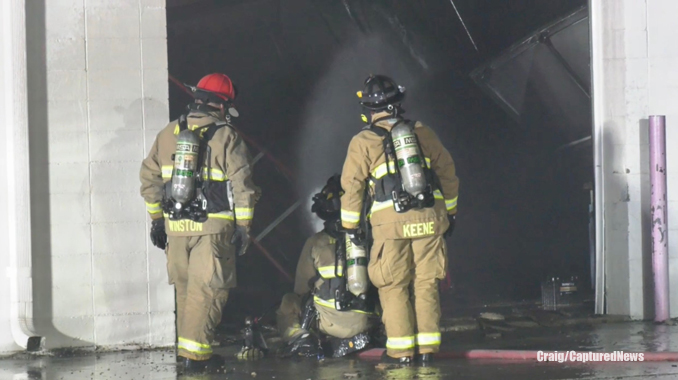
218 84
199 193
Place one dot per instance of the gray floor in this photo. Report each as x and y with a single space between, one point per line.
631 337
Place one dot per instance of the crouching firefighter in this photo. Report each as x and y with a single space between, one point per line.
412 189
197 184
332 294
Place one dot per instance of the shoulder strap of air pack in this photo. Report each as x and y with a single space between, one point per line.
387 142
209 130
206 131
183 124
379 131
212 129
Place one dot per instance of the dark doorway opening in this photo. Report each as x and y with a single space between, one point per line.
524 200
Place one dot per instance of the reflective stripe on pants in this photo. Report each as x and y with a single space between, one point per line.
428 339
351 217
202 285
196 348
395 267
400 343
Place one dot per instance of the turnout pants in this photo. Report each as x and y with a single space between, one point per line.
202 269
338 324
407 272
288 317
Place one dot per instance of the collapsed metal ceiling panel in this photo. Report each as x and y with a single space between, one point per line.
544 80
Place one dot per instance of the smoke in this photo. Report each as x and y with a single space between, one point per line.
332 115
314 222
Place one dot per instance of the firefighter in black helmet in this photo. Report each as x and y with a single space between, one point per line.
412 201
381 93
320 276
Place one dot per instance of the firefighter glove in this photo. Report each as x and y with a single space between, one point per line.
450 229
241 239
357 236
158 234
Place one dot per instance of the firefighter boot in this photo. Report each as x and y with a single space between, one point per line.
212 365
425 359
404 360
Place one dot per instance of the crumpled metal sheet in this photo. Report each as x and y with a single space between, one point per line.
306 345
343 347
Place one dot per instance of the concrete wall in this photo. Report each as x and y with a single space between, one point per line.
6 74
635 56
97 92
6 339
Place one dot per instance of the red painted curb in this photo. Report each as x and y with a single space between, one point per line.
376 353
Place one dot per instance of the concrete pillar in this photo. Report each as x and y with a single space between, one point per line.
97 96
15 281
633 64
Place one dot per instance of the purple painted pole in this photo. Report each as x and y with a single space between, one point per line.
660 236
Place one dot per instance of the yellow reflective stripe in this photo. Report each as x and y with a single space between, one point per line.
330 304
328 272
378 206
195 347
451 203
350 216
322 302
400 343
222 215
292 331
380 170
244 213
428 339
217 175
167 171
153 208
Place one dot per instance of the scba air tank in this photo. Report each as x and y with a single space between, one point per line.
409 160
356 268
185 165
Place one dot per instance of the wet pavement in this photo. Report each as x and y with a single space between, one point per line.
161 364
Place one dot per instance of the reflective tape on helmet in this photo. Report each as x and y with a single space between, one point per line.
244 213
194 347
350 216
400 343
167 171
451 204
428 339
328 272
153 208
